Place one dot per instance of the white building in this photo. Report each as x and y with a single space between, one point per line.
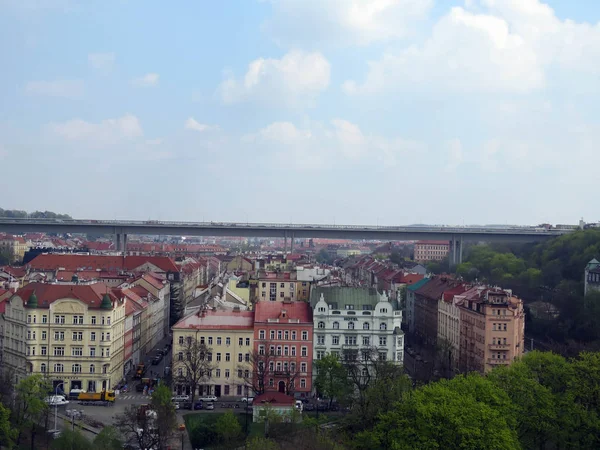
356 319
12 338
449 325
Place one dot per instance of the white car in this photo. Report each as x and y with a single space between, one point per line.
208 398
247 399
56 400
181 398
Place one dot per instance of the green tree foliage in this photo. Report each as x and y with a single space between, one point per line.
166 419
108 439
261 443
72 440
17 214
332 378
8 435
228 428
324 257
30 408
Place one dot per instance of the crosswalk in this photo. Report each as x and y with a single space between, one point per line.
132 397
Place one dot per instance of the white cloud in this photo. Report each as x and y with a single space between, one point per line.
343 22
490 46
101 61
57 88
105 133
321 146
294 80
193 124
148 80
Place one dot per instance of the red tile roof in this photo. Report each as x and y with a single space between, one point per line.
411 278
450 293
273 310
436 286
17 272
52 261
90 294
275 398
3 305
99 246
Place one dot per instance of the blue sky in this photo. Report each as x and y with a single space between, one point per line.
353 111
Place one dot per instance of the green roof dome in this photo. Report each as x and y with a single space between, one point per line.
32 302
106 303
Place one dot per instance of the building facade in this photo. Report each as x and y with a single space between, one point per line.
280 286
356 320
229 336
283 336
13 330
426 251
592 277
492 328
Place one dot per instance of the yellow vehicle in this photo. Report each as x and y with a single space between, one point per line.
107 397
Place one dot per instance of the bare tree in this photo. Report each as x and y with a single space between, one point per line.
193 364
256 374
138 424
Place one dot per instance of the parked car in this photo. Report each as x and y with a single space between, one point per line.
155 361
185 405
247 399
210 406
309 407
56 400
198 405
180 398
167 371
139 387
208 398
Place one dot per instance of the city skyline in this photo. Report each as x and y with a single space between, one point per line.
362 112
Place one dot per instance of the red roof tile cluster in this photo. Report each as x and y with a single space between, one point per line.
17 272
273 310
90 294
3 304
436 287
54 261
275 398
99 246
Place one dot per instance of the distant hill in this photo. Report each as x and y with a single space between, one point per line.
17 214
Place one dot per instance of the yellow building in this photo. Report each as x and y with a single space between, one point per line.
16 245
281 286
74 334
229 338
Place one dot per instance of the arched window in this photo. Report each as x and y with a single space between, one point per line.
321 324
59 367
76 368
43 367
366 326
336 325
351 325
383 326
92 368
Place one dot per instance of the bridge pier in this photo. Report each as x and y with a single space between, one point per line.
121 242
285 242
456 247
292 244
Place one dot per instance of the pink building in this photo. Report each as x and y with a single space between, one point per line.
431 250
492 328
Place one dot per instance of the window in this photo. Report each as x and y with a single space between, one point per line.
293 350
28 318
383 326
77 320
218 341
227 356
92 352
293 335
226 373
30 335
76 351
247 342
336 354
240 373
279 350
44 350
286 335
44 318
336 325
209 356
366 340
281 294
59 367
320 354
240 341
305 335
351 325
261 349
271 383
240 357
349 307
272 350
382 340
382 356
108 321
92 368
335 340
180 356
272 334
78 335
320 339
218 373
180 340
303 383
321 325
76 368
383 310
303 367
59 351
43 367
93 320
59 335
44 336
202 340
350 340
304 351
279 335
366 326
210 340
247 357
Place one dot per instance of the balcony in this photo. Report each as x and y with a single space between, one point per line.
499 346
355 345
498 362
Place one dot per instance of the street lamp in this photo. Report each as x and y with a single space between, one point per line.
56 401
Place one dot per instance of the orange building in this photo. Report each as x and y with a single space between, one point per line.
492 328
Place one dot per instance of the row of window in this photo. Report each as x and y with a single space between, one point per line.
281 335
61 319
75 351
60 335
283 350
75 368
498 326
351 326
209 356
282 285
209 341
350 340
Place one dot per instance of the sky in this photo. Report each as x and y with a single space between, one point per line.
382 112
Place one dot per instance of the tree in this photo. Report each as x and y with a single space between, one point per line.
30 407
332 378
71 440
228 427
257 375
261 443
108 439
138 425
193 365
166 419
8 435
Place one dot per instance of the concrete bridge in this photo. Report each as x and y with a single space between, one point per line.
122 228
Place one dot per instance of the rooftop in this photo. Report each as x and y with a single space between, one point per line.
340 296
274 397
71 261
215 320
274 310
90 294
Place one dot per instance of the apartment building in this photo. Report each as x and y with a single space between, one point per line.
74 334
448 331
350 321
492 328
281 286
283 334
426 251
411 297
229 336
16 245
13 330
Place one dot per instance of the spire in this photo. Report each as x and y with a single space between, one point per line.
106 303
